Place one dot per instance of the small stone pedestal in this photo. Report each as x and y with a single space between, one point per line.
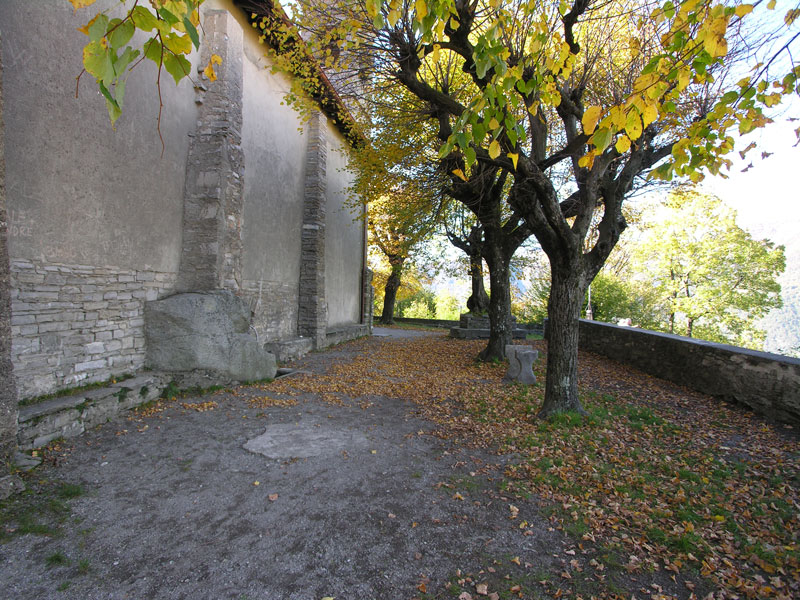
520 364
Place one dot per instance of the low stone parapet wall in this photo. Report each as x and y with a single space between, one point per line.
447 324
69 416
767 383
344 333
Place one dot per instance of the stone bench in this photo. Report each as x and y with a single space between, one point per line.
520 364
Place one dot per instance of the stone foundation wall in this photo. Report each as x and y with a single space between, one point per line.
274 306
70 416
74 324
768 383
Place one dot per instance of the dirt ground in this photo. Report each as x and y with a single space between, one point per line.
298 502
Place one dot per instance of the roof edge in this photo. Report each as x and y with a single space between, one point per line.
327 97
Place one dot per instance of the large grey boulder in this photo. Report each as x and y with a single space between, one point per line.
205 330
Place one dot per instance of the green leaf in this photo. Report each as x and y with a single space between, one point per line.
124 59
114 109
512 135
602 138
98 27
144 19
481 66
469 155
153 50
168 16
192 31
122 34
119 92
106 93
478 133
177 66
97 62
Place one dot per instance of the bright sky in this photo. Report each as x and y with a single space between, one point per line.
767 196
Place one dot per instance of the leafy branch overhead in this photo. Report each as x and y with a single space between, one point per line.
109 56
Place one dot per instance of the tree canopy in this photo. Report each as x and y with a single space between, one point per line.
713 279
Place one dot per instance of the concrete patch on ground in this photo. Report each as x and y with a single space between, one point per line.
305 440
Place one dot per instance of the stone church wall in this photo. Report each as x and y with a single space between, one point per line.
100 220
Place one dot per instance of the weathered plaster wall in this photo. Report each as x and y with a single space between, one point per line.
275 154
8 390
344 239
77 190
94 214
768 383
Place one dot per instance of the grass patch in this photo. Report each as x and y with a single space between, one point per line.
57 559
83 566
39 510
173 392
70 490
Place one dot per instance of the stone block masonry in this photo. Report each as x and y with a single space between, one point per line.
211 252
74 324
767 383
313 310
70 416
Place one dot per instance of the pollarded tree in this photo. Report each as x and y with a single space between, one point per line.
713 278
395 228
404 141
467 236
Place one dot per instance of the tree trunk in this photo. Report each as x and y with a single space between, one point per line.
690 327
478 302
389 297
564 309
499 303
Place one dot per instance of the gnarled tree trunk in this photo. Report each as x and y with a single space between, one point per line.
499 300
564 308
478 302
390 295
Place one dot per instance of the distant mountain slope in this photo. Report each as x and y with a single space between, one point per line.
783 325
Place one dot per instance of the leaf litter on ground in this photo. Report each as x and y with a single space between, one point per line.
657 478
